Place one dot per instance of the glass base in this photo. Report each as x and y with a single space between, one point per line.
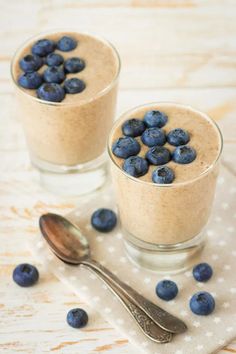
72 181
171 259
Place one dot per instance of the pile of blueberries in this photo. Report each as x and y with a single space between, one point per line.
149 129
48 85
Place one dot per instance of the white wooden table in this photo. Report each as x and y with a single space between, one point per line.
179 50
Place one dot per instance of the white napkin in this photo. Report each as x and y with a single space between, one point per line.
205 334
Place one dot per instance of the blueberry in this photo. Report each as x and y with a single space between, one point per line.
74 65
104 220
135 166
77 318
158 155
184 154
66 44
30 63
54 74
153 136
25 275
166 290
163 175
133 127
202 272
54 59
51 92
43 47
74 85
125 147
155 119
30 80
178 137
202 303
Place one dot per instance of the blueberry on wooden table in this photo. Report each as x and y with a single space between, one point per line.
202 303
25 275
155 119
104 220
77 318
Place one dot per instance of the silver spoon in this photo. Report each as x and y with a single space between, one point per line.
66 240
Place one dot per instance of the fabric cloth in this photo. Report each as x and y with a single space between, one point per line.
204 334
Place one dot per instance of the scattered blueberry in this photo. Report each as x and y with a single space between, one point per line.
54 59
43 47
178 137
202 303
77 318
54 74
163 175
155 119
133 127
30 80
74 65
166 290
51 92
202 272
25 275
30 63
125 147
74 85
135 166
184 154
153 136
104 220
66 44
158 155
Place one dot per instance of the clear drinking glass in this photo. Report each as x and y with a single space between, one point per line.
67 140
163 224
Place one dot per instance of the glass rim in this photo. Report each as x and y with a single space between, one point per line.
67 30
159 185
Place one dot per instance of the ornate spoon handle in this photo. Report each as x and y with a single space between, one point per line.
161 317
148 327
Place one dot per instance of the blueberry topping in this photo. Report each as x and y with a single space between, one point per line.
43 47
104 220
155 119
31 63
30 80
135 166
178 137
51 92
202 272
54 59
184 154
54 74
66 44
133 127
25 275
125 147
163 175
202 303
158 155
77 318
153 136
74 65
166 290
74 85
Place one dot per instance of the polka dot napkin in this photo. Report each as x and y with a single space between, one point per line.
205 334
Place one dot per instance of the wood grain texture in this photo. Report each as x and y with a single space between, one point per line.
171 50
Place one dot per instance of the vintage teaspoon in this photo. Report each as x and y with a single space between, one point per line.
67 241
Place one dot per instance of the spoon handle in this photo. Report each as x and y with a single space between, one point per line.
161 317
148 327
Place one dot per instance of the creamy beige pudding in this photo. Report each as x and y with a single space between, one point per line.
73 131
166 214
